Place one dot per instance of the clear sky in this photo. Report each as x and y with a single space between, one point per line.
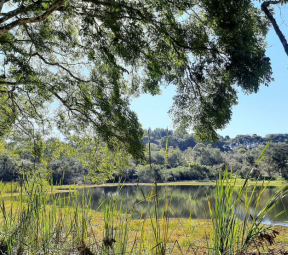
263 113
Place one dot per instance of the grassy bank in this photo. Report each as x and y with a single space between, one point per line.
79 230
239 183
39 220
57 229
13 188
184 236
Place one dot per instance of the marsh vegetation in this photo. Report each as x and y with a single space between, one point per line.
149 220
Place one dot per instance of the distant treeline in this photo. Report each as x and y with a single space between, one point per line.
186 159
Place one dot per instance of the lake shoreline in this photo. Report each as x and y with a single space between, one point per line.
187 183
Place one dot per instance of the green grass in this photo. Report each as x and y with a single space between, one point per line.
234 236
41 220
43 223
238 183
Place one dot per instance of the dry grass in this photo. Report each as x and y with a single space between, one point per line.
186 236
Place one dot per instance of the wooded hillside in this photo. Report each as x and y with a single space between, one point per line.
178 158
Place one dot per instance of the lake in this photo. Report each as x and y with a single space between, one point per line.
185 201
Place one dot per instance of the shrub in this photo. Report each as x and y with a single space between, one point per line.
8 168
147 174
194 171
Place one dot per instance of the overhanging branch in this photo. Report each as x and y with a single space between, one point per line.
62 67
9 83
1 4
269 15
50 10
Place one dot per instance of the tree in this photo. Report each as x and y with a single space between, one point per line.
265 8
88 57
8 168
279 158
250 160
101 162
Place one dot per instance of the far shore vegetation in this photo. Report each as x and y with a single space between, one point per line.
182 160
38 195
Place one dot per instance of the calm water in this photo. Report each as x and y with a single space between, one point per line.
185 201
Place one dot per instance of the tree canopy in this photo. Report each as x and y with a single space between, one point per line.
89 57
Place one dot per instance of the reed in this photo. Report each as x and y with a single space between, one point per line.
38 221
231 234
41 221
9 187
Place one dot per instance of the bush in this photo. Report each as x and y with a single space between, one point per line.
256 174
68 171
147 174
37 181
194 171
8 168
129 174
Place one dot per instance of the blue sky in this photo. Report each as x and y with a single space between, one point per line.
263 113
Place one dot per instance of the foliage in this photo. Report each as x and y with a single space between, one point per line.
88 158
194 172
147 174
90 57
101 162
9 168
68 171
65 162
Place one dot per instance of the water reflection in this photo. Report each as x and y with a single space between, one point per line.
185 201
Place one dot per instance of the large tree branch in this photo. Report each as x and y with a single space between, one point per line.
50 10
74 110
21 9
54 64
9 83
62 67
69 107
269 15
1 5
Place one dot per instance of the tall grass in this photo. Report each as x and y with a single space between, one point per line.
159 224
41 221
9 187
117 226
45 223
233 235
